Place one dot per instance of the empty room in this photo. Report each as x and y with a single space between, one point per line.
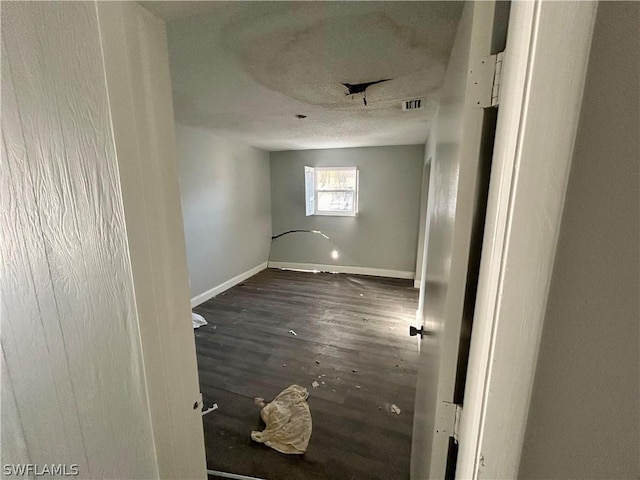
319 240
301 131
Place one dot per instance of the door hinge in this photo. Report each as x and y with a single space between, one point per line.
448 419
485 79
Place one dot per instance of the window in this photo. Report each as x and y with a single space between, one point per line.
331 191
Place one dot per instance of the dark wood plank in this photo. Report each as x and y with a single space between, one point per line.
351 338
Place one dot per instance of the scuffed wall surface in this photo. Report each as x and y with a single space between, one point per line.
583 419
384 235
69 329
226 203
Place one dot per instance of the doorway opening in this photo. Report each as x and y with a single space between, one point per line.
268 328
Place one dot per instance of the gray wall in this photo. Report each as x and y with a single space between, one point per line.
584 416
226 205
384 235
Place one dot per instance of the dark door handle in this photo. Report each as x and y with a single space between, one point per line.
413 331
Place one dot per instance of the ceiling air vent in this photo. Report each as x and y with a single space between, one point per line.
413 104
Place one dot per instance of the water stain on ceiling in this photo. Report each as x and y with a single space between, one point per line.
311 62
246 69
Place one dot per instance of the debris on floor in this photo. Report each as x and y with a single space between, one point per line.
220 474
288 422
395 409
259 401
315 384
209 410
198 320
358 386
293 333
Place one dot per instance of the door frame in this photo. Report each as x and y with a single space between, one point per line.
424 191
543 79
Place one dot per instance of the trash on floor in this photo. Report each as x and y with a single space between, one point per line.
293 333
198 320
209 410
395 409
315 384
259 401
288 422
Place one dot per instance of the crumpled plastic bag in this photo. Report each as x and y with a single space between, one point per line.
288 421
198 320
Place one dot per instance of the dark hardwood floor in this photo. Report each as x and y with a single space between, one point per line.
352 338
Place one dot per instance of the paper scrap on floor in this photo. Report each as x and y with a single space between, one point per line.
288 422
198 320
209 410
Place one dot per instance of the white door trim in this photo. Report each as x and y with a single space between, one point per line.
543 78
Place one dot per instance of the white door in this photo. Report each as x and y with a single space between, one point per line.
455 191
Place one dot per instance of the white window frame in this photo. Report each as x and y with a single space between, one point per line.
311 192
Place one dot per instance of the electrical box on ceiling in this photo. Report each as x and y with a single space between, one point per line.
413 104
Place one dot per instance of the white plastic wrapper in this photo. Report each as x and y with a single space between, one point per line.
198 320
288 421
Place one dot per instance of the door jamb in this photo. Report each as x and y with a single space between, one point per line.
543 79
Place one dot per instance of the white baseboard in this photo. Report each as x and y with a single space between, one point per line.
203 297
376 272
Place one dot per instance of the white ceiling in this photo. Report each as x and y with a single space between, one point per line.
246 69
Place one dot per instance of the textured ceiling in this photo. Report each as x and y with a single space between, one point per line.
246 69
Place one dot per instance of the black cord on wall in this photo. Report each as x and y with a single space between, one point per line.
334 251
